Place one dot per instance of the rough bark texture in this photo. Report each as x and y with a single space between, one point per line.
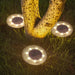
30 9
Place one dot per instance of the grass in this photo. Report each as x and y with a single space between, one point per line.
60 51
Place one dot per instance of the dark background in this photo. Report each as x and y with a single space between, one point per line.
60 51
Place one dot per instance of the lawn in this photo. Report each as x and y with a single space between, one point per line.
60 51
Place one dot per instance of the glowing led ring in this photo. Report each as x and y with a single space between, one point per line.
34 55
62 29
15 21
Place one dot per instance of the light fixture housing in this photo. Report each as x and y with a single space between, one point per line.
62 29
34 55
15 21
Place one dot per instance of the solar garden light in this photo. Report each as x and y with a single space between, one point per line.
34 55
62 29
15 21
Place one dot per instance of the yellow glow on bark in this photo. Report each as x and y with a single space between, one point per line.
30 9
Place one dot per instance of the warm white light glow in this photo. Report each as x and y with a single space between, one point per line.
36 48
10 20
62 24
12 16
40 60
67 32
13 24
62 34
29 58
43 55
26 55
69 29
58 24
55 27
30 48
34 61
22 23
56 31
68 26
22 17
16 24
18 16
41 51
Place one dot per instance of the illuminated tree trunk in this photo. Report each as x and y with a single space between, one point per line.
30 10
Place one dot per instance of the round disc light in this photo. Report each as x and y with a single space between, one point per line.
15 21
34 55
62 29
